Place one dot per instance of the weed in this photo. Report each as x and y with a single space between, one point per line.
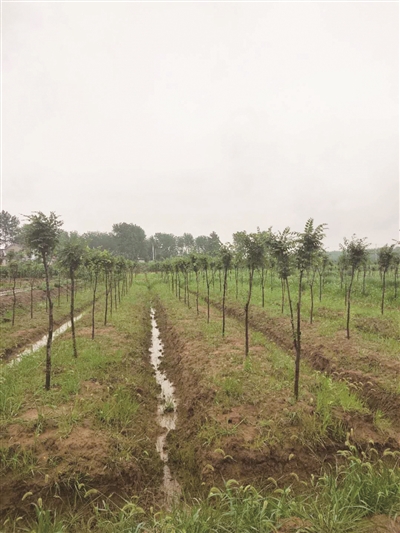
169 405
17 460
381 423
119 410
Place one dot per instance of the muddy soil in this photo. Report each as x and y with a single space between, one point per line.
336 356
24 337
240 454
69 460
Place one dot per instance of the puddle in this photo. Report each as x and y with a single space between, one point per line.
42 342
166 412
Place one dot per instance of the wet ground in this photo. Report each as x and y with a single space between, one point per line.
166 412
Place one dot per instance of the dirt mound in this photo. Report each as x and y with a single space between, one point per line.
328 355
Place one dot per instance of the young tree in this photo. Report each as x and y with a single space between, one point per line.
41 237
13 267
308 252
386 257
203 262
396 264
252 248
194 261
281 246
70 257
354 253
33 273
226 256
322 266
108 266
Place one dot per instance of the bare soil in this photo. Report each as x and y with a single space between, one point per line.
70 457
336 356
240 451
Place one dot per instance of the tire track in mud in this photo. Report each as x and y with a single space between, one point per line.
370 388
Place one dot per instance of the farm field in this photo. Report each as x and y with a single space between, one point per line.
27 329
245 455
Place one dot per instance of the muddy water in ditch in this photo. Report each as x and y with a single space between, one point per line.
43 341
166 412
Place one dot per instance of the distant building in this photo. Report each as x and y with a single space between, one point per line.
5 251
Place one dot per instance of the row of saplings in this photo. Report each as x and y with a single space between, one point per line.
286 252
41 237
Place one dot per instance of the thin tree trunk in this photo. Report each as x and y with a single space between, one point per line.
94 302
237 282
291 312
312 297
262 288
298 341
72 310
223 301
208 297
363 283
31 300
51 324
383 291
59 291
246 312
106 306
197 292
14 300
298 355
283 294
348 305
320 286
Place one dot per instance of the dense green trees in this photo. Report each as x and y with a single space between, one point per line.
9 228
355 254
163 246
130 240
100 240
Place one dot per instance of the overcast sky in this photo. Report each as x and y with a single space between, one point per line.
194 117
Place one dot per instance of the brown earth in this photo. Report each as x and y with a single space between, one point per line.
46 453
336 356
242 453
24 337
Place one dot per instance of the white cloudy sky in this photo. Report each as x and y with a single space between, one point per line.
194 117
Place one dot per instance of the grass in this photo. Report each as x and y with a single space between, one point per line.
241 411
26 330
345 499
108 395
252 402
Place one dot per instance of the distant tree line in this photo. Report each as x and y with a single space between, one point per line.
126 240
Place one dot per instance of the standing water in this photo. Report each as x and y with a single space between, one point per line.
166 411
43 341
